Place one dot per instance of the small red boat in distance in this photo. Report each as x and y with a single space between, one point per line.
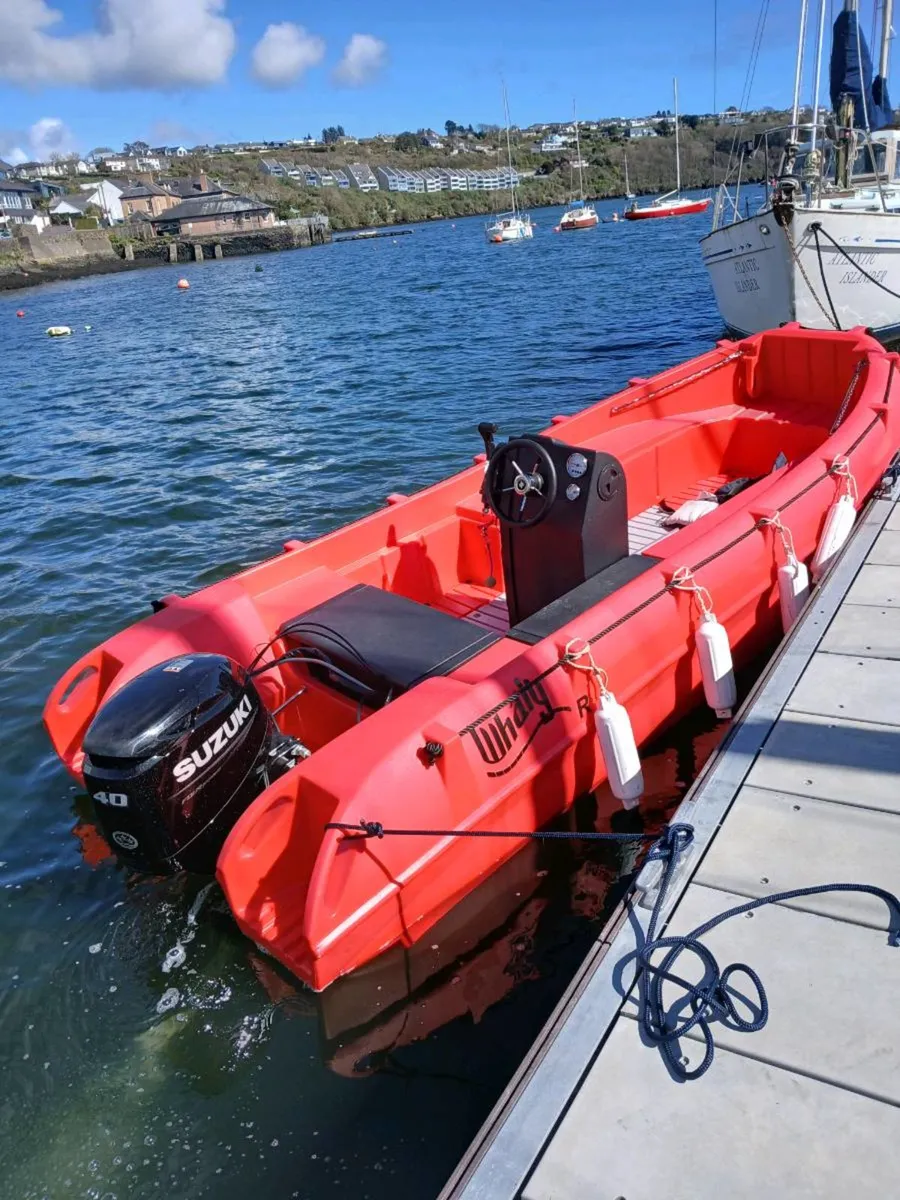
680 206
672 204
422 668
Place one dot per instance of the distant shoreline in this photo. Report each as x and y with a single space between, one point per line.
68 257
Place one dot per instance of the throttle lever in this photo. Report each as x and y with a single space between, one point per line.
487 429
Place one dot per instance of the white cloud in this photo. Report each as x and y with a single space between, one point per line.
162 44
364 57
50 136
46 137
284 53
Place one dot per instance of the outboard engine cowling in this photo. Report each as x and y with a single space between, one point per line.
175 756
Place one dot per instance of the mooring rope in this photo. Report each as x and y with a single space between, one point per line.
710 1000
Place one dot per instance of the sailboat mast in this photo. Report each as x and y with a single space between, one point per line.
818 73
887 13
512 189
798 72
677 149
627 188
578 154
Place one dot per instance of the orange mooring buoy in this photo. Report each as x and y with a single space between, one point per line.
183 285
20 312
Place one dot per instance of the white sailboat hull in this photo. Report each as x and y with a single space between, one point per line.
759 282
509 229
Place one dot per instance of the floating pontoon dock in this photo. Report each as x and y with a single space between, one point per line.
805 790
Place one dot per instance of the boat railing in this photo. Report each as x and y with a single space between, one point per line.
809 154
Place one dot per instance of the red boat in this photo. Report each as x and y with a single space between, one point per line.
681 206
579 216
422 668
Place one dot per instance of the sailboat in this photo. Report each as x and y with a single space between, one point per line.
629 194
510 226
822 248
672 204
579 214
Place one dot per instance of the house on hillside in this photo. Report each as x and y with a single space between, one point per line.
17 201
453 179
432 178
220 212
107 196
99 154
271 166
147 200
361 177
195 185
395 179
66 209
5 170
47 188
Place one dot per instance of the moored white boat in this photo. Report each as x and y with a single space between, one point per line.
579 214
509 227
824 248
512 226
629 194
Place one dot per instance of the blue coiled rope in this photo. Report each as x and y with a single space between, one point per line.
710 1000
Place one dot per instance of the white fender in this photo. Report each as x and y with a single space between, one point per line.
619 750
838 527
793 590
716 665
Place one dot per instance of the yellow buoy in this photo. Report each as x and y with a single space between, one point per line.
58 331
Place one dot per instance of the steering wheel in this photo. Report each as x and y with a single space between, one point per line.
520 483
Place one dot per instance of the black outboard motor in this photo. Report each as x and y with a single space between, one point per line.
175 756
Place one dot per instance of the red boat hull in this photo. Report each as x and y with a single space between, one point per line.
582 223
678 210
514 724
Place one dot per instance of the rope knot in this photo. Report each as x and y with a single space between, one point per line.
577 648
683 581
841 469
787 538
671 842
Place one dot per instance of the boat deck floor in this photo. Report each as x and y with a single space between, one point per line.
483 607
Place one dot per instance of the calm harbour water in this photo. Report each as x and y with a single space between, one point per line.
183 436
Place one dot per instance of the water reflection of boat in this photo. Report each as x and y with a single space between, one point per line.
497 938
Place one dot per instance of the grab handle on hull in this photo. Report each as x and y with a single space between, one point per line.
74 700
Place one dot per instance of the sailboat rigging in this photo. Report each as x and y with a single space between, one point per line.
672 204
629 194
510 226
579 214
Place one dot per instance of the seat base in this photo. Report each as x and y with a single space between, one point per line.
385 643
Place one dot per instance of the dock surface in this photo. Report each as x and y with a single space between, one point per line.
805 791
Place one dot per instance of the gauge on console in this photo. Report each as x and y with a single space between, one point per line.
576 465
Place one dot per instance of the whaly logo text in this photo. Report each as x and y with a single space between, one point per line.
514 727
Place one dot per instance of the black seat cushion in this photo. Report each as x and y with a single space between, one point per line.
385 643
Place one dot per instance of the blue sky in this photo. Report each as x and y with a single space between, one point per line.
74 75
